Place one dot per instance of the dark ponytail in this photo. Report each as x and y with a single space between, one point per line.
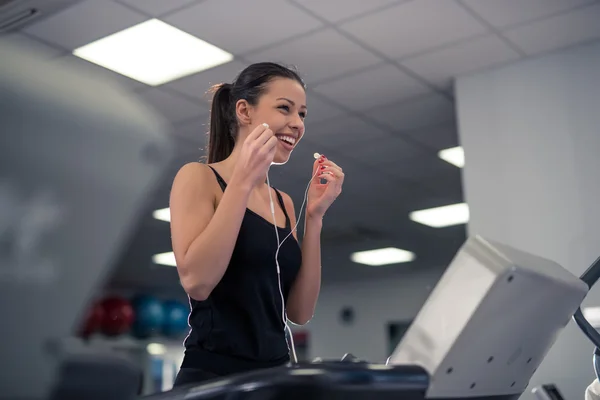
220 139
249 85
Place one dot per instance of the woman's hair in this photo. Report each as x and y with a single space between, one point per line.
249 85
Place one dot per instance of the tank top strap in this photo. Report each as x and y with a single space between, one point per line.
220 179
288 224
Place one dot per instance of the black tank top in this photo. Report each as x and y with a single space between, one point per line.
239 326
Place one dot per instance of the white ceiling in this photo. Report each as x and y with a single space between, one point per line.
381 105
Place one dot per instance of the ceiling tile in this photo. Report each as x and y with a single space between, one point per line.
557 32
416 166
436 138
172 107
374 152
85 22
381 204
197 85
371 88
157 8
448 186
331 10
408 196
509 12
319 56
415 113
92 69
342 131
247 25
42 50
414 27
319 110
364 181
440 67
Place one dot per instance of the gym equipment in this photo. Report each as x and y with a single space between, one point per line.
118 316
93 376
149 317
80 157
590 277
469 341
547 392
176 318
93 320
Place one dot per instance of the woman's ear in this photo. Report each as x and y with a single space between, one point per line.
243 111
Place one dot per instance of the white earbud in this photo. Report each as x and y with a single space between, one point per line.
317 155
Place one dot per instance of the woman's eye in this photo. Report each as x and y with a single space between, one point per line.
286 108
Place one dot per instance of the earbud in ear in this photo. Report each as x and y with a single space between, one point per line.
316 155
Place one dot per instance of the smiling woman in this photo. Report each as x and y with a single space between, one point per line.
243 282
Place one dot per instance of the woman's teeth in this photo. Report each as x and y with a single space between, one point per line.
288 139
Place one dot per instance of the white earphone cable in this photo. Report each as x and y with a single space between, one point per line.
279 244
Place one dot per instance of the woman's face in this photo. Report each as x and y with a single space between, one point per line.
283 107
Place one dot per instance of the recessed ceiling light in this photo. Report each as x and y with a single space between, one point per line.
385 256
439 217
164 214
165 259
592 314
454 155
154 53
156 349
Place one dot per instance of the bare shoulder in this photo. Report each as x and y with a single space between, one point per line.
193 172
287 200
194 176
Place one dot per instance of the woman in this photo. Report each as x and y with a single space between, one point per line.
223 234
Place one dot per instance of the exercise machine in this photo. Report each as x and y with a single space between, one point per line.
468 341
79 158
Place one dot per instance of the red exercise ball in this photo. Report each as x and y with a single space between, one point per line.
93 321
118 316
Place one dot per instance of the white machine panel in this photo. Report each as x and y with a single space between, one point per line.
490 321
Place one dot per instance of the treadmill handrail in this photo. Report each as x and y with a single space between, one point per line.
587 329
333 377
589 277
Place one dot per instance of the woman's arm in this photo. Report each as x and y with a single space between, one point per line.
303 296
203 238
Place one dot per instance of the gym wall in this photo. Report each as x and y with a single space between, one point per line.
531 136
375 304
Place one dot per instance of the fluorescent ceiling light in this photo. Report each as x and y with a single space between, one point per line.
439 217
154 53
592 314
156 349
454 155
165 259
164 214
388 255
